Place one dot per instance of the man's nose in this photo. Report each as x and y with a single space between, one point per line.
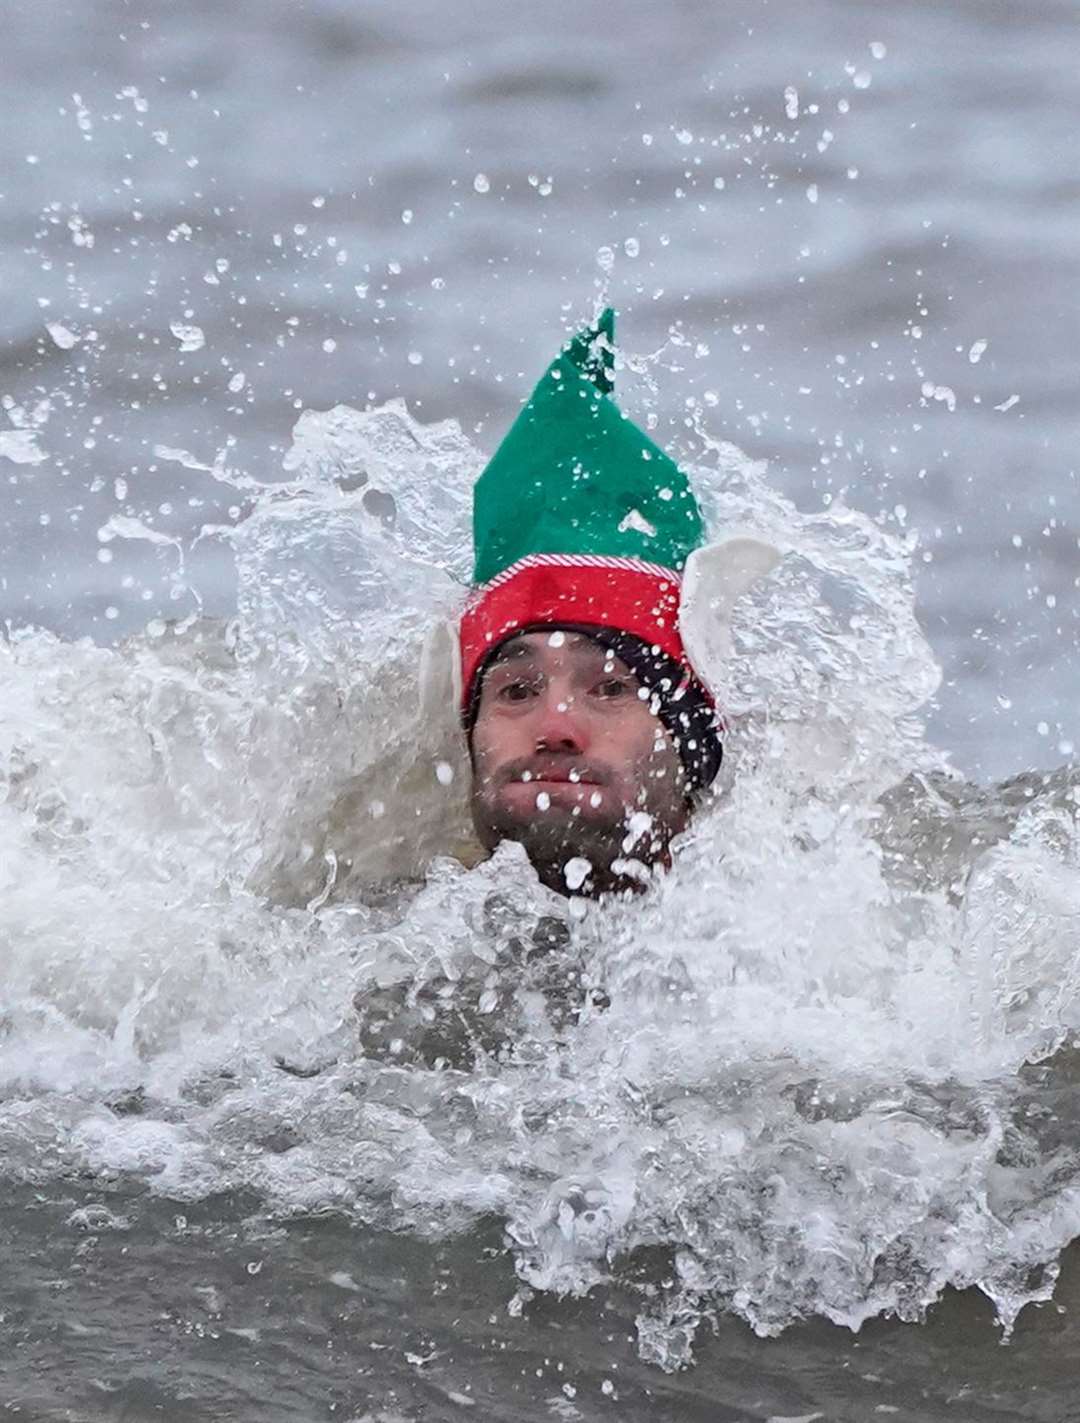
559 725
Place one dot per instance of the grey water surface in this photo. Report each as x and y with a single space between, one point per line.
137 1312
354 201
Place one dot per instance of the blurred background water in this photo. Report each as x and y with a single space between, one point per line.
844 236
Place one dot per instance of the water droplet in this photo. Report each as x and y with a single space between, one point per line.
576 872
63 338
191 338
482 183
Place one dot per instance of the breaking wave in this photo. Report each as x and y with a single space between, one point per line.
824 1067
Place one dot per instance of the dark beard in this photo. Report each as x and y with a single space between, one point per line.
555 837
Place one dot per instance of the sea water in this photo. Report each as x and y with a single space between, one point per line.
816 1071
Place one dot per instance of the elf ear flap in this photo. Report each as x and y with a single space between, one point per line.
440 671
714 579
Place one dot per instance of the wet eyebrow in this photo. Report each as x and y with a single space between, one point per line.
510 652
590 660
602 660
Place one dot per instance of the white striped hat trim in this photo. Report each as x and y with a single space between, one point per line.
580 560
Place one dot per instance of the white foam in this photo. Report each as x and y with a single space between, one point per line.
798 1071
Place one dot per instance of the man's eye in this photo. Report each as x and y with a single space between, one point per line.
515 691
611 688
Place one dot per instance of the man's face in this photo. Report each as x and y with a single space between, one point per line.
567 748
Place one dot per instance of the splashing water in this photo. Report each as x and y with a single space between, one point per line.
820 1068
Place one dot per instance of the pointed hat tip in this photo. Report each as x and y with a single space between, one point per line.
595 358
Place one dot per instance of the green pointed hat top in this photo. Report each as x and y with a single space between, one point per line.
575 476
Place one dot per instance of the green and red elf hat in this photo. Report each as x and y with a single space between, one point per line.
581 522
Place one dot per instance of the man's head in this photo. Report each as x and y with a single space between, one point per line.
590 729
572 758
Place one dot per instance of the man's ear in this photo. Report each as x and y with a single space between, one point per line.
714 579
440 671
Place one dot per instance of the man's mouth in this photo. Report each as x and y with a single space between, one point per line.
555 776
552 778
